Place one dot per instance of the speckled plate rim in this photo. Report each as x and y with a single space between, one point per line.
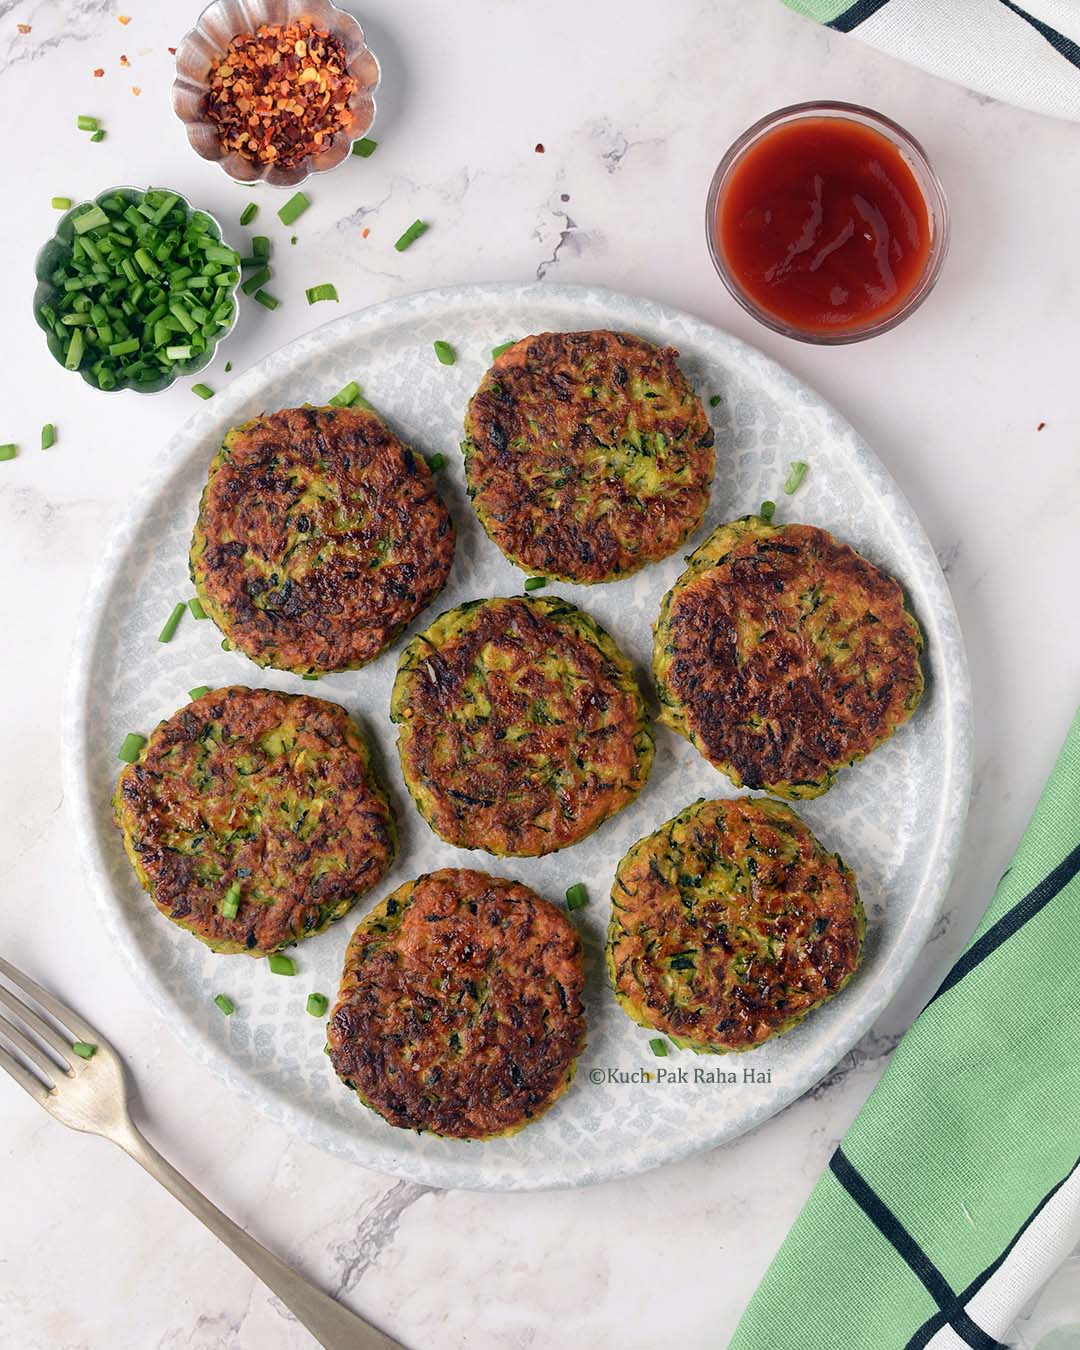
863 1002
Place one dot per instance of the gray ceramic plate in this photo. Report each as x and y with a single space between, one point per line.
897 818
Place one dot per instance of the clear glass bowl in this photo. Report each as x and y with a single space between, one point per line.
914 156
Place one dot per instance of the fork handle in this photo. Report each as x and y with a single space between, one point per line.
333 1326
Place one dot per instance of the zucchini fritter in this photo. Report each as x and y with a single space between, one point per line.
784 656
522 726
320 537
264 797
730 924
460 1010
587 455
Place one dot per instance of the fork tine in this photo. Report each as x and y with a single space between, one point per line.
25 1078
32 1050
37 1024
83 1030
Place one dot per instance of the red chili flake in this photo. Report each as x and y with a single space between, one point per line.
539 147
364 232
171 51
124 61
1040 426
23 27
281 94
136 90
124 18
98 73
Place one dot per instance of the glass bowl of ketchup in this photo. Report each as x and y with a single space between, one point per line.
827 223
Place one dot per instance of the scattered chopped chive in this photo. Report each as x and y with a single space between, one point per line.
260 245
195 605
85 123
193 694
293 209
8 451
84 1049
577 896
364 147
227 1006
293 239
230 904
203 390
248 214
266 300
255 281
344 397
129 750
436 462
326 1048
226 645
445 352
170 623
327 291
317 1004
281 965
61 203
715 400
768 510
309 677
659 1047
98 135
535 583
496 352
48 436
228 367
795 477
411 235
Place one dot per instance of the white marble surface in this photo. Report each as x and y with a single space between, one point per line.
633 112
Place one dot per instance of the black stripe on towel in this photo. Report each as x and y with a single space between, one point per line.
859 12
1061 44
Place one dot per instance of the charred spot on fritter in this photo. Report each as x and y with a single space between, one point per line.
320 536
254 819
730 924
460 1010
522 726
785 656
587 454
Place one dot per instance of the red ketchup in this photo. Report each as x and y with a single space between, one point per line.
823 225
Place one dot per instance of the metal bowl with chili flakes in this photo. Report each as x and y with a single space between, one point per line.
275 90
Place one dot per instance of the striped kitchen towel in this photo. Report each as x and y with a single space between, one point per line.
1026 53
956 1192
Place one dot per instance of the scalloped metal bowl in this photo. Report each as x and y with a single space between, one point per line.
216 27
51 253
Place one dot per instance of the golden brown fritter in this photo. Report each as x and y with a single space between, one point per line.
522 726
320 537
730 924
587 455
460 1010
785 656
266 798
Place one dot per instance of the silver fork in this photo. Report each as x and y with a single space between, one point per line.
91 1094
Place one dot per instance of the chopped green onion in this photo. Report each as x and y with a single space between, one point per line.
715 400
293 239
230 904
577 896
8 451
85 123
228 367
445 352
411 235
227 1006
496 352
170 623
74 355
61 203
266 300
123 348
535 583
196 607
293 209
659 1047
226 645
327 291
48 436
436 462
84 1049
98 135
260 245
179 353
203 390
129 750
768 510
248 214
364 147
193 694
281 965
795 477
317 1004
253 282
347 396
309 677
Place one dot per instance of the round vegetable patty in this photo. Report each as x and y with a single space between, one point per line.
522 726
587 455
460 1010
260 800
784 656
730 924
320 537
